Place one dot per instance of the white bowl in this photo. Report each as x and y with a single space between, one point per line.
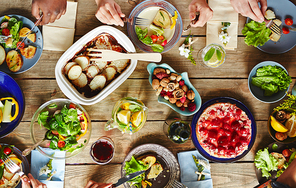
69 90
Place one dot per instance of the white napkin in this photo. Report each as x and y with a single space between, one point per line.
38 161
222 12
59 36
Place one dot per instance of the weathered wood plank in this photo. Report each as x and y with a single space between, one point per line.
152 132
232 175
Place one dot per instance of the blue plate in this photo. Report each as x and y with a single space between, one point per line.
197 99
282 9
258 93
28 63
25 163
225 100
9 88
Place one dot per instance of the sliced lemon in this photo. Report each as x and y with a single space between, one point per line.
16 160
124 116
125 106
1 115
291 126
277 126
137 118
214 59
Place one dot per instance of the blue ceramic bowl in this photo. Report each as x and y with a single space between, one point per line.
257 92
197 99
9 88
197 115
28 63
163 5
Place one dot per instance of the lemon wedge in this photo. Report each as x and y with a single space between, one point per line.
16 160
214 59
291 126
277 126
124 116
1 115
137 118
125 106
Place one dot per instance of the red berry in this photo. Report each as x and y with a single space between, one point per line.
181 83
183 99
288 21
286 30
162 93
191 107
182 108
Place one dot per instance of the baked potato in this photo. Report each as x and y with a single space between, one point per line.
14 61
81 81
29 52
83 61
2 55
92 71
110 72
98 82
24 32
162 19
74 72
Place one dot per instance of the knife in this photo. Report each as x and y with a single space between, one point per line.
127 178
36 24
293 29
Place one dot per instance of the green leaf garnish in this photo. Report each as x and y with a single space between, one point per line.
209 54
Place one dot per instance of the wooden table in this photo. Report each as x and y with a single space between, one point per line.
229 80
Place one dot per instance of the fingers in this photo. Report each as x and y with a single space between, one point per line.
205 11
263 6
256 10
110 13
25 182
35 10
250 8
89 184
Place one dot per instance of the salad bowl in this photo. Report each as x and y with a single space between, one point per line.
71 119
197 98
258 93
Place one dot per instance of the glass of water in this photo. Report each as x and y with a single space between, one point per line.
213 55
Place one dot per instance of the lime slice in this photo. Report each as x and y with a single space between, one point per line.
219 55
209 54
137 118
124 116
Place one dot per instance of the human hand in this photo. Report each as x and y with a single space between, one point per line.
250 8
93 184
109 12
52 9
204 10
288 177
28 182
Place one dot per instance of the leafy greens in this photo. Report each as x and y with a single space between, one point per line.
134 166
14 26
271 79
256 33
143 36
265 162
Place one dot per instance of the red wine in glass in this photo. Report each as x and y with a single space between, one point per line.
102 151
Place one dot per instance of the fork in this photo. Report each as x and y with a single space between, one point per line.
4 38
12 167
109 55
273 27
137 21
177 184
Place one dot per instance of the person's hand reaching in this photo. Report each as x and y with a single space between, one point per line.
52 10
204 10
250 8
30 182
109 12
93 184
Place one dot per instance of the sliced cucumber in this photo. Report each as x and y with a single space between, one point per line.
7 112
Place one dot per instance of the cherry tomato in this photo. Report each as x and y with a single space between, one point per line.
160 37
54 132
7 150
164 42
286 30
61 143
20 45
1 161
288 21
5 32
72 106
154 38
286 153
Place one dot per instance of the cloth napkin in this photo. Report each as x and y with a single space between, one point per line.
222 12
188 168
38 161
59 36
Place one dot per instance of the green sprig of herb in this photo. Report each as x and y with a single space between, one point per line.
288 105
186 42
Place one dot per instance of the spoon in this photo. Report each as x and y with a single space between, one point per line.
192 22
29 149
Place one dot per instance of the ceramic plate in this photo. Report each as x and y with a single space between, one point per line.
282 10
25 163
197 115
197 98
280 148
257 92
28 63
164 156
9 88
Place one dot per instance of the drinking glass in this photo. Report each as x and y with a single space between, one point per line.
213 55
102 150
177 130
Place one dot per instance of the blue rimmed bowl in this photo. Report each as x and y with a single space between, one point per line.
257 92
198 114
197 98
9 88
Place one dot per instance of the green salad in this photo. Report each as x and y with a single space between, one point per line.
11 26
134 166
256 33
271 79
65 127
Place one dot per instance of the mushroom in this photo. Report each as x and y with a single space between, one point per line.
281 116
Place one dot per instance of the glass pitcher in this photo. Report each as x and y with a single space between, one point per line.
128 115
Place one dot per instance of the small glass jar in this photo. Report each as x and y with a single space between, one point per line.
177 130
214 59
102 150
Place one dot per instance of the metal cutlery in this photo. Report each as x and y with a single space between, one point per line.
14 168
177 184
109 55
4 38
292 29
192 22
137 21
127 178
273 27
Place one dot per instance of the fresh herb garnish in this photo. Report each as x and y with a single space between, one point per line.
288 105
